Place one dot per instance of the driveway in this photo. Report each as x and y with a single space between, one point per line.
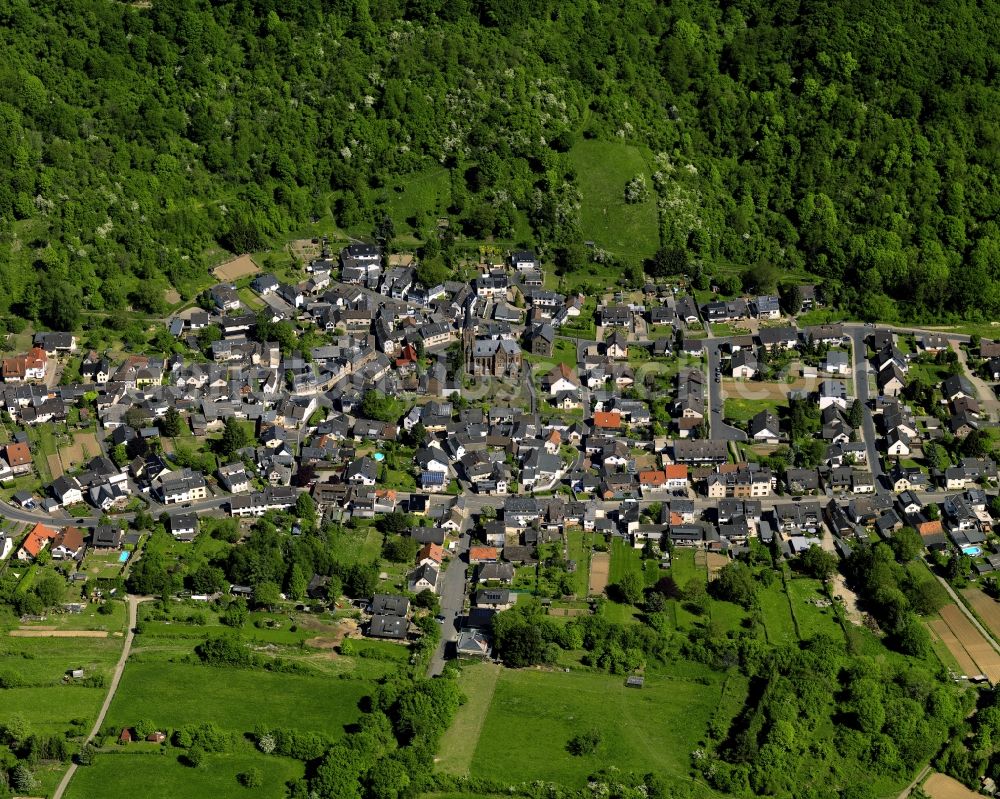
987 395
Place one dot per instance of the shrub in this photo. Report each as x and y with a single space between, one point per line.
584 743
251 778
195 756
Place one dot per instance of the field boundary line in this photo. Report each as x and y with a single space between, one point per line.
975 622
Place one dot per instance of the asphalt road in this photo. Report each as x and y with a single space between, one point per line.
57 521
860 349
451 592
716 401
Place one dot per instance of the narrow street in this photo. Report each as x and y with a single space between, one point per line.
718 429
860 370
452 595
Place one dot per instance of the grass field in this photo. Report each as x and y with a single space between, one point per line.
652 729
478 681
40 664
357 546
683 568
174 694
812 619
738 409
623 559
161 776
603 169
778 623
417 200
580 544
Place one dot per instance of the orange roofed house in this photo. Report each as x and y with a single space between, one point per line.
483 555
607 420
676 476
39 538
430 553
18 457
932 534
653 480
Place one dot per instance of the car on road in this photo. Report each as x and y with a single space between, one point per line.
186 505
439 619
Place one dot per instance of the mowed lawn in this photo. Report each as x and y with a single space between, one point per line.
40 663
580 544
175 694
535 713
478 681
156 776
603 169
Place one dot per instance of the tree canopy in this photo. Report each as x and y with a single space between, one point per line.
856 141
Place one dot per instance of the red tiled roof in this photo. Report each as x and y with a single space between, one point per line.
610 420
17 454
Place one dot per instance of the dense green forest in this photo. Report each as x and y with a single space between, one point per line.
852 140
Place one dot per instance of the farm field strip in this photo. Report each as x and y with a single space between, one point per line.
987 608
941 786
987 660
965 663
235 269
600 568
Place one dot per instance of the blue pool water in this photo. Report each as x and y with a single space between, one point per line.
972 551
123 557
379 456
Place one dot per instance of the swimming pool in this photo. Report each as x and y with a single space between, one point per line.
973 552
379 456
123 557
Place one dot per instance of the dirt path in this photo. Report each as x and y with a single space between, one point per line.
909 788
35 632
133 607
600 568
